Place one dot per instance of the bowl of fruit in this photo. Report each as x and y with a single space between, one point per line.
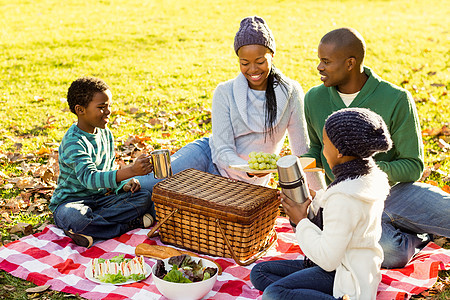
184 277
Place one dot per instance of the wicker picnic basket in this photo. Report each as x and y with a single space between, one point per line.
215 215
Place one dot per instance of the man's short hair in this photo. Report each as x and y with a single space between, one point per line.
82 90
348 39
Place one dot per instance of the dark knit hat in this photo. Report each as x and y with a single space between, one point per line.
358 132
254 31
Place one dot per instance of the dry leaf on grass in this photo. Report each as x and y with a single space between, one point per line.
24 228
38 289
9 288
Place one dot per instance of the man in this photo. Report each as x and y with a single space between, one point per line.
412 207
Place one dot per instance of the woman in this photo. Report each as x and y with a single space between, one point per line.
252 112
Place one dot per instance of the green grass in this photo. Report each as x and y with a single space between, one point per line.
165 58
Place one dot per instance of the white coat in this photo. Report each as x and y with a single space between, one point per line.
352 212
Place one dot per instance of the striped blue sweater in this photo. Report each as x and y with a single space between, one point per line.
86 164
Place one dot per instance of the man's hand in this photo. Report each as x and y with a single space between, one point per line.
142 165
132 185
295 211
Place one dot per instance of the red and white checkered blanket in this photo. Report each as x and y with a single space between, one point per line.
50 258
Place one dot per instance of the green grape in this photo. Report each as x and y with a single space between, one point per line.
262 161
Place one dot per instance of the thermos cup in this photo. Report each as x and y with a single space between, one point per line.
161 163
292 178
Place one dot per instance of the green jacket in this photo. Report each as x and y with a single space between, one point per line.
404 162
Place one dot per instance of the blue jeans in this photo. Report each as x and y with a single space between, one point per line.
411 209
288 279
103 217
196 155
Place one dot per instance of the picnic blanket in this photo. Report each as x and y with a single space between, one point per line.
50 258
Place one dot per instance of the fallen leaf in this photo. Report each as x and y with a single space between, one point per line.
431 73
9 288
38 98
165 134
446 188
43 150
24 228
437 84
432 182
38 289
8 186
119 112
134 110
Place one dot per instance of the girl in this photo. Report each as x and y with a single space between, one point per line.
346 250
252 112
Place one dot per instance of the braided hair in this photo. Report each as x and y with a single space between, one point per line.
273 80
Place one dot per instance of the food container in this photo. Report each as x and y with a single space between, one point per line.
185 291
215 215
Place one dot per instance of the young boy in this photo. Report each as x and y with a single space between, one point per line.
92 200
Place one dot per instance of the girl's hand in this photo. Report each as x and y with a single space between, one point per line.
132 185
142 165
312 193
295 211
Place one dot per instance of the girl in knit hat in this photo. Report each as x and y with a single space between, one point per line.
252 112
346 250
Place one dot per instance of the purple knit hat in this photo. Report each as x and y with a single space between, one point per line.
254 31
358 132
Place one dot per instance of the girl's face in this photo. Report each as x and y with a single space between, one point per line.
330 152
255 62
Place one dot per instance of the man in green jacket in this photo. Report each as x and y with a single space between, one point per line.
411 208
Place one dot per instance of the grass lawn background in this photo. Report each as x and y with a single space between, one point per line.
163 60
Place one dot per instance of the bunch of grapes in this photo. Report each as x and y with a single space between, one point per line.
262 161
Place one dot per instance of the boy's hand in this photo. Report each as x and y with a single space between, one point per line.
295 211
132 185
142 165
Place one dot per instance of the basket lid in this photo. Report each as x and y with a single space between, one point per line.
217 192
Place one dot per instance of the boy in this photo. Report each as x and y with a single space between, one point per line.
82 204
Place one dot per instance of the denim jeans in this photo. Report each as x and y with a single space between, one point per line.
288 279
196 155
411 209
103 217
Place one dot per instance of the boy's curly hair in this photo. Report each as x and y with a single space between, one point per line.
82 90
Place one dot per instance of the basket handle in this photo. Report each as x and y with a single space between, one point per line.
254 257
152 232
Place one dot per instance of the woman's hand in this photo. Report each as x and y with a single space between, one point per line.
132 185
295 211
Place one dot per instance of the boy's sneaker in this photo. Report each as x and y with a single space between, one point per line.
80 239
144 221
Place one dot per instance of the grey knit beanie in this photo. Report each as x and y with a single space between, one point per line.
358 132
254 31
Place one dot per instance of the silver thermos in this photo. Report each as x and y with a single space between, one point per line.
292 178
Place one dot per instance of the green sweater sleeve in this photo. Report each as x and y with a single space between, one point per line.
404 163
315 139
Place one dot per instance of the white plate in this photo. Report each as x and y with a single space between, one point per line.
308 164
88 275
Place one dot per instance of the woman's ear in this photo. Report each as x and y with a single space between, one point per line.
340 155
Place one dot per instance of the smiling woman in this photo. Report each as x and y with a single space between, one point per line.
250 113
